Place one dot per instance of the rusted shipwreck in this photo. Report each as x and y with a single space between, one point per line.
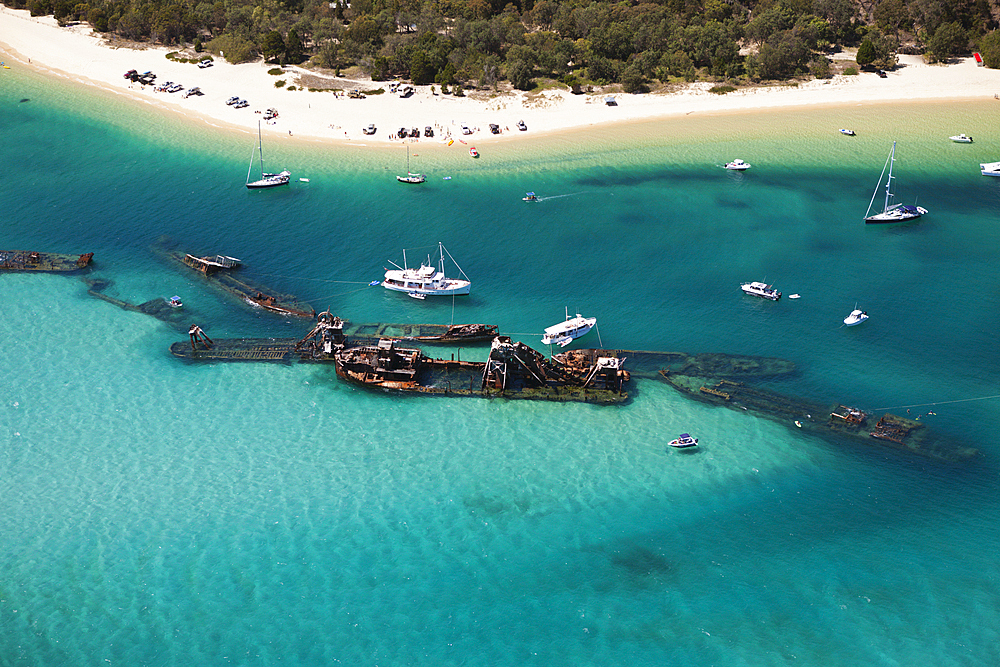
712 379
28 260
223 272
512 370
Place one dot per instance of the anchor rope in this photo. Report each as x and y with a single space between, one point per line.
959 400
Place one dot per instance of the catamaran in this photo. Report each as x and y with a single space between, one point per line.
892 212
266 180
428 280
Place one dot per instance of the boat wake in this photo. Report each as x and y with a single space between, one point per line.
572 194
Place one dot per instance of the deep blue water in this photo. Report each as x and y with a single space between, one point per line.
159 513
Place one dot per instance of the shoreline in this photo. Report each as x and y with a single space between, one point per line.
77 54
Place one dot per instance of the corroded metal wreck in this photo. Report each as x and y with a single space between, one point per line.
21 260
223 272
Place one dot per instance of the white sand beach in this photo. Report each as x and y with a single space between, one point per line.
76 53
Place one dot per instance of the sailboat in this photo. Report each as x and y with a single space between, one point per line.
428 280
410 176
892 212
266 180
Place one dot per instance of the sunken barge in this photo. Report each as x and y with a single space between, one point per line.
708 378
21 260
223 272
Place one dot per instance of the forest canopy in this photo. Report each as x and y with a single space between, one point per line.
483 42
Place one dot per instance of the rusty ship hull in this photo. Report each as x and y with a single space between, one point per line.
26 260
832 422
224 272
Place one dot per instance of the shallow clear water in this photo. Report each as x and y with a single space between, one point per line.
155 512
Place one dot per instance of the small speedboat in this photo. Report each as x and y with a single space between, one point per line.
794 296
684 441
530 196
737 165
856 317
849 133
473 152
961 139
374 283
416 295
175 302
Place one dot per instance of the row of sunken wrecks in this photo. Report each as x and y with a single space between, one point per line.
385 357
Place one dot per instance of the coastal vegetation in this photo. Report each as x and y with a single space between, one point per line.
529 44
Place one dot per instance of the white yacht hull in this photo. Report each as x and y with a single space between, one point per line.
452 287
990 168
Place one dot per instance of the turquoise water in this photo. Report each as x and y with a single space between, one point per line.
159 513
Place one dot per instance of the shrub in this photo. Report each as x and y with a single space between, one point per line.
275 71
721 90
280 83
851 71
291 88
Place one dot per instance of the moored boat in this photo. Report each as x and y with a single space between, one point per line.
961 139
567 331
856 317
410 176
428 280
473 152
892 212
849 133
763 290
684 441
990 168
266 180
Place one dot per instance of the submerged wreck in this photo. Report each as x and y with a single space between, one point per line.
223 272
711 379
21 260
512 370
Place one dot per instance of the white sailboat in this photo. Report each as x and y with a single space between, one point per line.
410 176
428 280
892 212
266 180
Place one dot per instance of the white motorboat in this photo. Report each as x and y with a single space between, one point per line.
763 290
961 139
849 133
428 280
567 331
416 295
892 212
175 302
410 176
266 180
856 317
684 441
737 165
990 168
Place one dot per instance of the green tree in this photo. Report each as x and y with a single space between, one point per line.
989 47
948 40
421 71
293 47
520 66
272 46
866 53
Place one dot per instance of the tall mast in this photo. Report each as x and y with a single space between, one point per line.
260 147
888 181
